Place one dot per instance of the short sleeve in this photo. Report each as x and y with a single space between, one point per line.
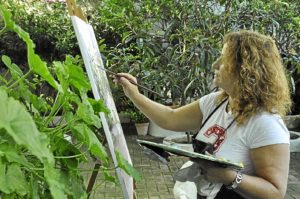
207 103
268 129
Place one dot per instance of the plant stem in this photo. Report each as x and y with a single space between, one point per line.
21 79
72 156
54 110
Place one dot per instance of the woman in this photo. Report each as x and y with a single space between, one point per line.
242 121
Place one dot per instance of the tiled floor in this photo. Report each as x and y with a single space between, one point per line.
157 182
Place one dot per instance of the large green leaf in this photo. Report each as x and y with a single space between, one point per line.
75 184
53 178
86 113
12 179
3 185
16 179
78 78
11 155
128 168
19 124
34 61
91 141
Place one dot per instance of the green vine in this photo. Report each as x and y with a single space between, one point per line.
33 146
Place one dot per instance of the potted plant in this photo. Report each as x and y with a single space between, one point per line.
141 122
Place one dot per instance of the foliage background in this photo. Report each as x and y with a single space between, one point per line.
169 45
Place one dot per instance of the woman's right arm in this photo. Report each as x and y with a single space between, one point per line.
185 118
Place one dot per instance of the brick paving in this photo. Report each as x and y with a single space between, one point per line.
157 180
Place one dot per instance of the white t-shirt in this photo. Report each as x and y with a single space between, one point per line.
234 144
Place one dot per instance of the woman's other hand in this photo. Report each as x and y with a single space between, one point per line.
214 173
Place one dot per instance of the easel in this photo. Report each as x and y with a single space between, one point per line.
101 90
75 10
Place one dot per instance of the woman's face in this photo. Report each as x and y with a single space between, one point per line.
223 78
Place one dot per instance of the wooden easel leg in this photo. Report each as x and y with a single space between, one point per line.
95 171
92 179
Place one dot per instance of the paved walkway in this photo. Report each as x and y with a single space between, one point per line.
158 182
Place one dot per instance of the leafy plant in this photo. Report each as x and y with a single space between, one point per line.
168 45
171 45
45 138
135 115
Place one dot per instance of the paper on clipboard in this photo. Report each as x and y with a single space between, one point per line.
162 151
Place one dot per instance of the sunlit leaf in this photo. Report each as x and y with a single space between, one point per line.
16 72
34 61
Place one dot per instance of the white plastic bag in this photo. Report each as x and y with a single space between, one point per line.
189 182
187 189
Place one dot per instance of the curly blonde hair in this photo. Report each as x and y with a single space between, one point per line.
262 82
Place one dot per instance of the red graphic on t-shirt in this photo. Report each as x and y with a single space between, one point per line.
219 133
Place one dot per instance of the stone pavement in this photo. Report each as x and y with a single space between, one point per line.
157 180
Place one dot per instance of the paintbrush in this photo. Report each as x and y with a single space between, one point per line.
138 85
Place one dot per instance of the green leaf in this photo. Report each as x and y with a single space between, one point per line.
64 148
9 24
15 71
40 67
53 178
34 61
77 78
75 184
12 179
16 179
12 155
19 124
86 113
109 177
98 106
61 74
91 141
34 188
128 168
3 184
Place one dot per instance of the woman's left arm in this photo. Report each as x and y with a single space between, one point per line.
271 166
272 169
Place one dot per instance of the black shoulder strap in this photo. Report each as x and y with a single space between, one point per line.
194 136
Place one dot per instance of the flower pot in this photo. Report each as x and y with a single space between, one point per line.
157 131
142 128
